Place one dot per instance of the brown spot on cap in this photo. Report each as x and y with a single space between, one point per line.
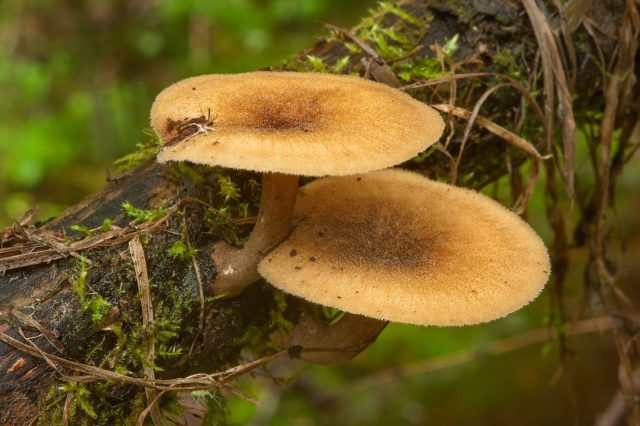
294 110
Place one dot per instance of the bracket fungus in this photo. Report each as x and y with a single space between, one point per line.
284 125
395 246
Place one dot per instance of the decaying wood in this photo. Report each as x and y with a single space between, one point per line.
47 337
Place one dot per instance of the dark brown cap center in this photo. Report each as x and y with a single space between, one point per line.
281 111
378 238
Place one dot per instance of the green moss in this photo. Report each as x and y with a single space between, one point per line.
422 68
121 344
168 326
353 48
81 229
228 189
91 404
84 230
340 64
451 45
106 225
316 63
313 63
256 338
401 13
180 249
277 320
420 158
509 59
140 215
80 400
90 301
177 170
221 223
145 151
390 42
238 200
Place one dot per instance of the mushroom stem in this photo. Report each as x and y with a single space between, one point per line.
237 268
313 340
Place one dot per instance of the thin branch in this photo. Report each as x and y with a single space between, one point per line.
494 128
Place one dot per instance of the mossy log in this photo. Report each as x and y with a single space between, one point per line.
90 310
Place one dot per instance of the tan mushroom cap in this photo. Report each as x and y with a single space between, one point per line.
394 245
296 123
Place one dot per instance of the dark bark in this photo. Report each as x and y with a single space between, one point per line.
494 37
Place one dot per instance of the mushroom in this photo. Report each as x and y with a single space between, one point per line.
285 125
396 246
314 339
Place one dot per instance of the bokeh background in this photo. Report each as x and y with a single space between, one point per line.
77 79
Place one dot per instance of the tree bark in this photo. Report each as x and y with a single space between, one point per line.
42 276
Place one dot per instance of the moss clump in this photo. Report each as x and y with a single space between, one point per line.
108 292
181 249
278 320
145 151
401 13
509 59
90 301
239 202
317 64
85 231
140 215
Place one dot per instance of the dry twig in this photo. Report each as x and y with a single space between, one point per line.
144 290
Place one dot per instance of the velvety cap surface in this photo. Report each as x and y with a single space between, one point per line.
394 245
297 123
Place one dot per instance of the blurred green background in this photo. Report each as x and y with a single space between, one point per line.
77 79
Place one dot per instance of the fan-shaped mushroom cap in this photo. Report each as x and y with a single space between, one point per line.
295 123
394 245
